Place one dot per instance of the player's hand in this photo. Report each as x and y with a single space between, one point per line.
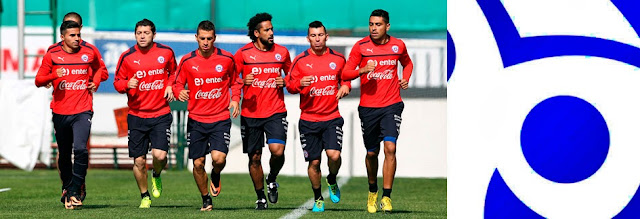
306 81
342 92
280 81
92 87
248 80
184 95
60 72
168 94
50 84
404 84
371 65
236 109
133 83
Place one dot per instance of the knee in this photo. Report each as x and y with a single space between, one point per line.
334 157
314 165
372 155
390 150
160 156
198 164
219 162
80 153
278 154
255 160
140 163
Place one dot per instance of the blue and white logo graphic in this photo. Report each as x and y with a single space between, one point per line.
543 109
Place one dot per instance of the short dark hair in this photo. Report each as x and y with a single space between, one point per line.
381 13
206 26
316 24
68 25
75 15
255 21
146 22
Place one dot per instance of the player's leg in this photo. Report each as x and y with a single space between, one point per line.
81 126
332 139
370 122
252 143
64 138
311 141
159 136
276 132
390 126
197 143
219 147
138 148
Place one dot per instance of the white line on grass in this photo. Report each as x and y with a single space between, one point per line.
304 208
5 189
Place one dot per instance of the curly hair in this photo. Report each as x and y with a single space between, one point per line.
254 24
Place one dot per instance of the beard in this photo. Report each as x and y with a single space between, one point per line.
266 43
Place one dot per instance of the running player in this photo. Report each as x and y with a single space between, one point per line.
261 64
380 110
144 73
209 72
69 67
316 75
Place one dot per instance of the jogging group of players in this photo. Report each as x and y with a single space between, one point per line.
212 81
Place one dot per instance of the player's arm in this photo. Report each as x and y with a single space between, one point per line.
344 85
104 74
121 81
171 69
293 79
245 79
44 75
350 72
96 71
285 68
235 90
407 68
180 81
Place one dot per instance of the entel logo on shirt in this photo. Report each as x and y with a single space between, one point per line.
207 95
271 70
201 81
142 74
385 62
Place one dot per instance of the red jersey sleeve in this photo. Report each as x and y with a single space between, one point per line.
180 78
121 79
233 82
293 79
171 69
407 64
287 62
45 75
104 74
239 62
350 72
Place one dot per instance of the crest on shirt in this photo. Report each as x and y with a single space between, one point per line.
395 48
278 56
160 59
332 65
85 58
219 68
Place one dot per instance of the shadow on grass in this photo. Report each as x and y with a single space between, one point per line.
96 206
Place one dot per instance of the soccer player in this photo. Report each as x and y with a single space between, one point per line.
69 67
209 72
144 73
261 64
316 75
380 110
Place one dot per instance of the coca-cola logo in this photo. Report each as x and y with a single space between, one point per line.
326 91
76 85
207 95
155 85
269 83
385 75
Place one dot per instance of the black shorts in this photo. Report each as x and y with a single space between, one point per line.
315 136
202 138
380 124
254 129
147 133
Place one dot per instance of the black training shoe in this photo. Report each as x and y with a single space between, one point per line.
261 204
207 205
83 192
272 192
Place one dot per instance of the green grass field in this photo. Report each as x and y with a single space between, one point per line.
114 194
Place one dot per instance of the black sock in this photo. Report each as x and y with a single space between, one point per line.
386 192
317 193
260 193
206 197
146 194
373 187
271 178
331 179
155 175
215 178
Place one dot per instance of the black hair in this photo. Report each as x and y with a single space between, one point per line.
381 13
206 26
68 25
73 14
316 24
146 22
254 23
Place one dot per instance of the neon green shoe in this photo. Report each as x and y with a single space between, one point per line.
156 189
371 202
385 204
146 202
